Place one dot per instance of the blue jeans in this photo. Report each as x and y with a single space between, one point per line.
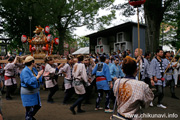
159 93
78 102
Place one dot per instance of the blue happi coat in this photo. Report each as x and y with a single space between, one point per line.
144 69
102 71
30 87
156 71
116 71
169 73
109 65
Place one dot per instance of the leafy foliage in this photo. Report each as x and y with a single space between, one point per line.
170 28
83 42
62 15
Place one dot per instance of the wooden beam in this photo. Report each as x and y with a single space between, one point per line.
3 61
40 61
56 61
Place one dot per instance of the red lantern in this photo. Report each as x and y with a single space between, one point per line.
136 3
33 49
49 38
47 29
56 41
97 50
23 38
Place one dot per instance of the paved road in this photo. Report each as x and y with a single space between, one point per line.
13 110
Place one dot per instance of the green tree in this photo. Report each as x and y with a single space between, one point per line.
63 15
154 12
170 27
83 42
167 34
177 42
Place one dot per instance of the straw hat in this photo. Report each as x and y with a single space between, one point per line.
28 59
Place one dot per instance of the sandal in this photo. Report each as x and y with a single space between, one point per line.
108 111
100 108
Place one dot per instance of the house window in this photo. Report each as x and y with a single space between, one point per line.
120 37
123 46
99 41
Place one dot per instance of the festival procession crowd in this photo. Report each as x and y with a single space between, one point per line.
126 82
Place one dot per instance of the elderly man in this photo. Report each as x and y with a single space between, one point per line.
144 66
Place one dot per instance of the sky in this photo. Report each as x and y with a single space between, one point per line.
82 31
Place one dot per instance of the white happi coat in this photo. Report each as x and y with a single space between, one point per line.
20 67
9 75
67 79
89 70
144 69
80 76
131 95
50 82
176 72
